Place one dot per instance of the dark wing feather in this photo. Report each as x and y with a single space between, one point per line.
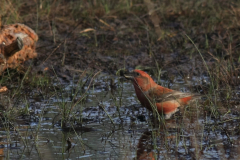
173 95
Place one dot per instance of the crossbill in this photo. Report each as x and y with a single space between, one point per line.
155 97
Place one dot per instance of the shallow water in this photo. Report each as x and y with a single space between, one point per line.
100 131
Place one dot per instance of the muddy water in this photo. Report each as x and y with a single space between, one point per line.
102 131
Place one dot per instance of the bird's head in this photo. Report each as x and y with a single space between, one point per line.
140 78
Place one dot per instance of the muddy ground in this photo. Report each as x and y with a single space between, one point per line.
191 46
132 37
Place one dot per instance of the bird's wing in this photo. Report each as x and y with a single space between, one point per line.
165 94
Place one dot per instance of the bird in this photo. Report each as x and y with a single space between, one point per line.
155 97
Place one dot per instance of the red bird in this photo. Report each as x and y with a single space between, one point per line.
155 97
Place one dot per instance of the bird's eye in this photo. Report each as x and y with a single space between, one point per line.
138 74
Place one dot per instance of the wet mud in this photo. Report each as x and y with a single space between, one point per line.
70 102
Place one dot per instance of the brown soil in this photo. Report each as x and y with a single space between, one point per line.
73 39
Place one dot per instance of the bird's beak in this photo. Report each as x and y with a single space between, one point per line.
129 75
126 74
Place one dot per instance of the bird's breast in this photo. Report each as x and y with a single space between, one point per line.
142 97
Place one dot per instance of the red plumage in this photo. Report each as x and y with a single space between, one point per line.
155 97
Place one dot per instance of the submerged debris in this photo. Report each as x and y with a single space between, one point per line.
3 89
